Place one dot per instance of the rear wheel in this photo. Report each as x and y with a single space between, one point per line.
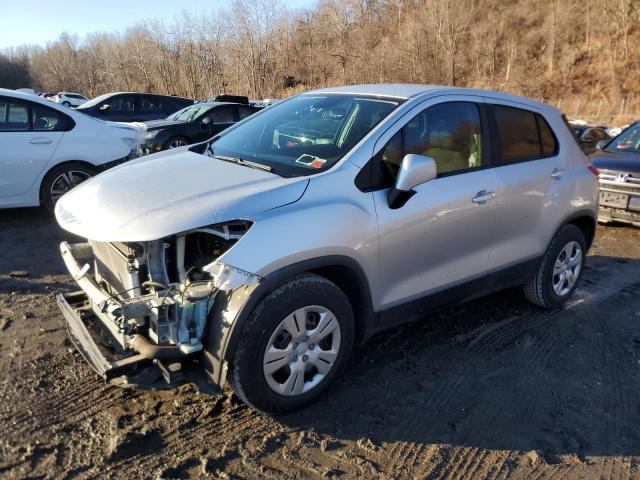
296 341
62 179
557 277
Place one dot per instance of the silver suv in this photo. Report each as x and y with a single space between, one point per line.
264 256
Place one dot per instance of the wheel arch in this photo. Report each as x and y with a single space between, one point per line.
586 221
222 336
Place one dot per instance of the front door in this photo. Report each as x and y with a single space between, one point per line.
443 235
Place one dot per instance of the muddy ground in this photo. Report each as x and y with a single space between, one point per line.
492 389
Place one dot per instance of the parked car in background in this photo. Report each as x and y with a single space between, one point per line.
619 164
47 149
133 107
225 97
588 137
30 91
262 258
69 99
192 124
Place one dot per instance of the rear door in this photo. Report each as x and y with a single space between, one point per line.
29 136
534 190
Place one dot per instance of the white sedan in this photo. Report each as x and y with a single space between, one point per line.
47 149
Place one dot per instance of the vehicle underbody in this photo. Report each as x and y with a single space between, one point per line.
145 311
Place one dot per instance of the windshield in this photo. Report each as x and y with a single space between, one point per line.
627 141
189 113
306 134
95 101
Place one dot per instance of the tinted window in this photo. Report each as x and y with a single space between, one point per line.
245 112
121 104
14 115
221 115
548 142
45 119
149 104
517 134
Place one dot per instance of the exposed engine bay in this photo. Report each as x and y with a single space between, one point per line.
155 297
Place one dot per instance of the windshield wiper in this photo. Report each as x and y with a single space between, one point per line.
241 161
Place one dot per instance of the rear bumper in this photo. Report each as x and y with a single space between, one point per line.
626 206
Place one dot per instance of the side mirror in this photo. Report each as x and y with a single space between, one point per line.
414 170
601 144
206 121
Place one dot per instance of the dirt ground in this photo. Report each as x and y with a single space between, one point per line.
492 389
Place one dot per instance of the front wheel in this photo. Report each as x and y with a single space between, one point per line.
176 143
295 342
562 265
66 104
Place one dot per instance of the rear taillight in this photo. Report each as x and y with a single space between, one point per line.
594 170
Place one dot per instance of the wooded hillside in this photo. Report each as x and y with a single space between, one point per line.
583 54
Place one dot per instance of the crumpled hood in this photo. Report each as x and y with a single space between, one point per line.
170 192
621 162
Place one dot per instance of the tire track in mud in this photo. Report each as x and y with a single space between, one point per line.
406 454
617 370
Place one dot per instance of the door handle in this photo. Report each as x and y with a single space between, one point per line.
482 197
557 173
40 140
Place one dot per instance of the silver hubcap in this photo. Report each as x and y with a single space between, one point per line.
567 268
177 142
302 350
65 182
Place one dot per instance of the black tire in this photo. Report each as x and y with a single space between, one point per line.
246 372
66 104
539 290
47 183
173 139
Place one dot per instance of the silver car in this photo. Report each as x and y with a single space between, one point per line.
264 256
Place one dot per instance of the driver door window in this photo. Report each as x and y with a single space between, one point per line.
221 115
450 133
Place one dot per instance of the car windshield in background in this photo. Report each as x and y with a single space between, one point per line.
306 134
189 113
627 141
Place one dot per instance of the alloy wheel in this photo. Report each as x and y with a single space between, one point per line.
65 182
177 142
302 350
566 269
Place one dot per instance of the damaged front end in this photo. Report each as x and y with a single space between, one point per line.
144 308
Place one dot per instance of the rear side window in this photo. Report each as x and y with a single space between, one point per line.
245 112
45 119
222 115
522 135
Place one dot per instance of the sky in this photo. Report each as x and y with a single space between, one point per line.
39 21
